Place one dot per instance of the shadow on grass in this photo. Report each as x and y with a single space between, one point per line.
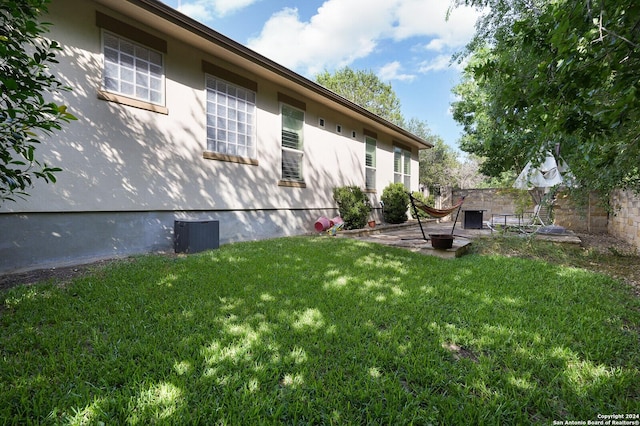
320 330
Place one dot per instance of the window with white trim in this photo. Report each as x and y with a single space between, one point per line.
292 143
231 117
402 166
132 70
370 162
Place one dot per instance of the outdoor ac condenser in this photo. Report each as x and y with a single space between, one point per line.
192 236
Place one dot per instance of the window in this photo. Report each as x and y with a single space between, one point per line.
292 143
338 128
370 163
321 122
354 134
132 70
231 112
402 166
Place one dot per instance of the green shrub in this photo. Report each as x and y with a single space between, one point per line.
353 205
396 202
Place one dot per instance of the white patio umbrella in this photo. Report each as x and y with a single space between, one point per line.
549 173
539 180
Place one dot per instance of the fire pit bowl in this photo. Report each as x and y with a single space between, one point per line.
441 241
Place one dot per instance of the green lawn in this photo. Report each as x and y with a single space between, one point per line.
320 331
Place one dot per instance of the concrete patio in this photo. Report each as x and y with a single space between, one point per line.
409 236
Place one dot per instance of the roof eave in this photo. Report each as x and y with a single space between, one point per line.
174 16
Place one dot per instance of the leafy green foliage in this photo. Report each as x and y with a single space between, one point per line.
439 165
396 201
320 331
354 206
547 73
364 88
25 81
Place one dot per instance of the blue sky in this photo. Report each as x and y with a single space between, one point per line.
407 43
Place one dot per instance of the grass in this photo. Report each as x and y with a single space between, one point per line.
320 331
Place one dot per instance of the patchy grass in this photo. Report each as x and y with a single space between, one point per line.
323 331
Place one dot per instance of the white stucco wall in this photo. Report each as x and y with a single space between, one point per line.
121 159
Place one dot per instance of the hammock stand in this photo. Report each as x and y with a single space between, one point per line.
435 213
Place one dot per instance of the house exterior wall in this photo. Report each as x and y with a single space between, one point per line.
128 172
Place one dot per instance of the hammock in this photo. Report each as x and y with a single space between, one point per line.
437 213
433 212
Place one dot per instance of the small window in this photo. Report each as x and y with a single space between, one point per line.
338 128
321 122
132 70
292 143
354 134
231 112
370 163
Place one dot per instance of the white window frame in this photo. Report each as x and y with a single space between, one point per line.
231 118
370 148
132 69
289 152
402 166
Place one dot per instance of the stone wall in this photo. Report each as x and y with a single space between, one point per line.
624 223
492 201
592 217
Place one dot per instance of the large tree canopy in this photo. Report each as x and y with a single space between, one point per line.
25 81
364 88
548 73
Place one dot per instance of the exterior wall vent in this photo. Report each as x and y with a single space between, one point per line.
193 236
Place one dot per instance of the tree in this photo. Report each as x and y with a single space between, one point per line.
555 73
364 88
469 176
439 165
25 81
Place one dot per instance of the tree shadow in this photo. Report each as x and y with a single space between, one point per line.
320 330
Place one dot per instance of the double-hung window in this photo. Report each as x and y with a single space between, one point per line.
231 118
370 162
402 166
132 70
292 143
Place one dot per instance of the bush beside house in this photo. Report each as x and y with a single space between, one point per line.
353 205
395 199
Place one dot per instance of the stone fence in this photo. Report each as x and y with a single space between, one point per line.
623 223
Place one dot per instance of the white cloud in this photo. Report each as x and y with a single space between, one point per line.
225 7
205 10
438 63
391 71
196 10
343 31
428 18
